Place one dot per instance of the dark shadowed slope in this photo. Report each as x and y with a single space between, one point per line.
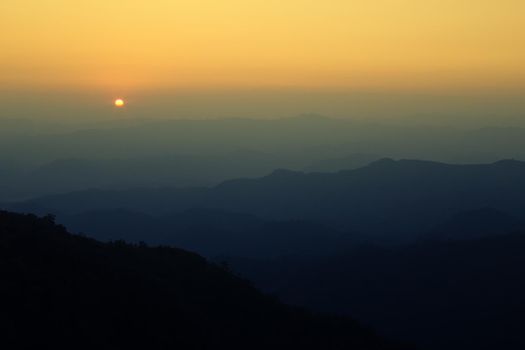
477 223
442 295
64 291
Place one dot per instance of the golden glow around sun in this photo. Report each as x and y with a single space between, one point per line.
119 102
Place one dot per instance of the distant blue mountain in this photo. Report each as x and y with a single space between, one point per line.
394 200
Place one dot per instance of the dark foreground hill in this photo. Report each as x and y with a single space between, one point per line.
64 291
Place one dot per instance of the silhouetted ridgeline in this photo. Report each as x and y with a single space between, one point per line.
64 291
74 174
180 153
388 200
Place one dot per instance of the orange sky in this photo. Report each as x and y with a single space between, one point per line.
133 45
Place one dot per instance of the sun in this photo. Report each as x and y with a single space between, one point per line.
119 102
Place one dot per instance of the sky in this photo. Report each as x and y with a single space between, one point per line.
139 48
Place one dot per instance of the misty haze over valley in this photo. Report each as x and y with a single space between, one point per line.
367 209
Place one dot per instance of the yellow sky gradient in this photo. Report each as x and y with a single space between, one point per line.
379 44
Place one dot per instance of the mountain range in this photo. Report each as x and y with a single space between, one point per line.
388 200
